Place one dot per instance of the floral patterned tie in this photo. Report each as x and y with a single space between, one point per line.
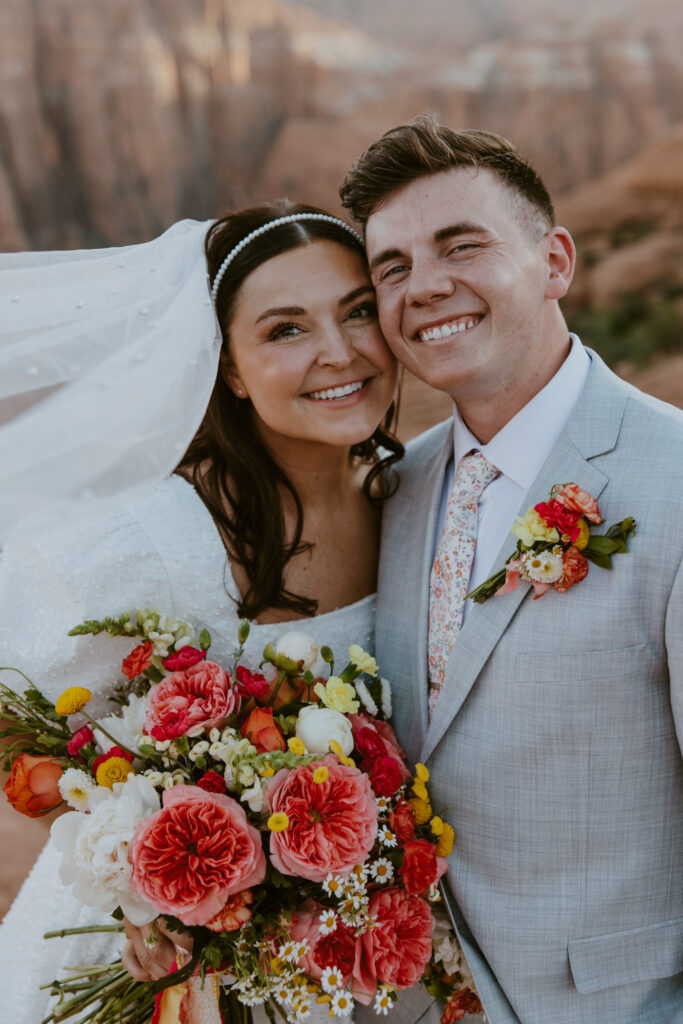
450 576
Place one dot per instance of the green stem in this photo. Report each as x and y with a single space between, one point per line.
273 697
117 743
84 930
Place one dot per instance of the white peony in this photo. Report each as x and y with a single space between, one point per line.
127 726
299 646
315 727
94 847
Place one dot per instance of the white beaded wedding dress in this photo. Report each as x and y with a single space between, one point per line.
161 552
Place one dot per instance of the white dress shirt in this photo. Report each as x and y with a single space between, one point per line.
518 452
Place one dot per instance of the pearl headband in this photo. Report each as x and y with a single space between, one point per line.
290 219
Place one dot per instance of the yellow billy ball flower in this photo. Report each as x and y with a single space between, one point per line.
422 810
114 769
437 826
336 749
445 844
420 790
296 745
72 700
278 822
421 772
584 536
320 774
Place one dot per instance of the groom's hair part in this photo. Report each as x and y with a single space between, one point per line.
424 147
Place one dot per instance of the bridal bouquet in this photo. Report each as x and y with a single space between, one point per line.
270 814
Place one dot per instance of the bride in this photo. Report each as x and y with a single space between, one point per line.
273 512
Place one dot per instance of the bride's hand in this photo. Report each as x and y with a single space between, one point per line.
151 949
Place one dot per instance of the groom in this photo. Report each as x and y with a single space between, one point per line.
549 726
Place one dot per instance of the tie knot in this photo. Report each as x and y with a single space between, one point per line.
474 473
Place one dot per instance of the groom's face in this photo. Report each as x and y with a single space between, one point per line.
460 264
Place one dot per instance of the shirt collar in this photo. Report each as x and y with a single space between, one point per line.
521 447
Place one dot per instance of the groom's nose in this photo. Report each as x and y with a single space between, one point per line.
430 279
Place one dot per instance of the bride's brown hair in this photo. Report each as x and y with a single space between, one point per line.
227 462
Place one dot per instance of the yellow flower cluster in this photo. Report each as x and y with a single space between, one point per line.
422 810
320 774
72 700
444 847
336 749
296 745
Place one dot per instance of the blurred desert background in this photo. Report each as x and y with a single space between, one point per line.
117 119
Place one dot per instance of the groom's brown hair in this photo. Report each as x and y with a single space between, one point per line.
424 147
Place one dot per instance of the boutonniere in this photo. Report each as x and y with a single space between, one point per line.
555 544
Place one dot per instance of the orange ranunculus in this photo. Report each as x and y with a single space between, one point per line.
32 787
262 731
138 660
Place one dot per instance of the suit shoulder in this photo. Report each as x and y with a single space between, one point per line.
424 446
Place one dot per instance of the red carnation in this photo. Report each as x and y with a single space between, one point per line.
252 684
338 949
138 660
420 869
112 752
565 520
212 782
368 742
80 739
175 724
403 821
182 659
385 774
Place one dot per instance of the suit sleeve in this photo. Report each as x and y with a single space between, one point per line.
674 645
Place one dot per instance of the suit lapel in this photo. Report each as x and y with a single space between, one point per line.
593 429
411 712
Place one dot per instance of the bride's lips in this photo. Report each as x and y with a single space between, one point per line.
338 393
447 327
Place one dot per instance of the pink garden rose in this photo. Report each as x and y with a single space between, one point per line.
203 693
396 951
194 853
332 824
574 497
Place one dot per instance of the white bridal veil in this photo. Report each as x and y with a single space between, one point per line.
119 350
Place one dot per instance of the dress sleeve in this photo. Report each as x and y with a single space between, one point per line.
52 581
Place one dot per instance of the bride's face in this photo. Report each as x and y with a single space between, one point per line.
306 348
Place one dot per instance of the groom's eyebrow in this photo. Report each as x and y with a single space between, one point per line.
464 227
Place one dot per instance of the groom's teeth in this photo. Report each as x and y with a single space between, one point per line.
348 389
447 330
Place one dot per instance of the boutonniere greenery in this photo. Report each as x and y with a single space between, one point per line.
555 544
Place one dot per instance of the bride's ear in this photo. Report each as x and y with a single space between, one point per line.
228 372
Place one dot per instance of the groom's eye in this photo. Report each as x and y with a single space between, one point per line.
393 271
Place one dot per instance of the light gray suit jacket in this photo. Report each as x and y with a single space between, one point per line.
553 750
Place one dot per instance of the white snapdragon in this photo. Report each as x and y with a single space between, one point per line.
254 796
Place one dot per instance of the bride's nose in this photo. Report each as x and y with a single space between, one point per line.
334 347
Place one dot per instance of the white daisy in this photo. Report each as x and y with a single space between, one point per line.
542 566
333 885
331 979
286 951
383 1001
328 922
387 837
341 1005
75 787
383 804
382 870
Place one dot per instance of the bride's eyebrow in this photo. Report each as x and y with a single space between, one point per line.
363 289
282 311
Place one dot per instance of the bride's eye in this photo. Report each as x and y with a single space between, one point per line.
284 329
364 311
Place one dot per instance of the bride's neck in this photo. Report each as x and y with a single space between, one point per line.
321 474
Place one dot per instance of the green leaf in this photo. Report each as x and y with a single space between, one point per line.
603 561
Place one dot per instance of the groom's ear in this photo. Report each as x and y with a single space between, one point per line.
561 257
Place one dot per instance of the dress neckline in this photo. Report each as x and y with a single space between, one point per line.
232 588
